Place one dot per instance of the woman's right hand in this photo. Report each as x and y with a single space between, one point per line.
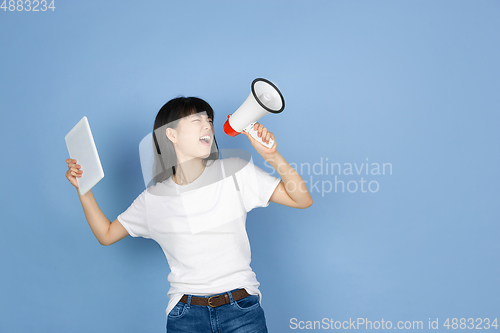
73 172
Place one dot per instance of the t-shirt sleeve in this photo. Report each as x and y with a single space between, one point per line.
255 185
134 219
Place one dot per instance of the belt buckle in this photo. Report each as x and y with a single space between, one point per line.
210 301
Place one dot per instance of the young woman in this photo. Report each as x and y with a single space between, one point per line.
195 208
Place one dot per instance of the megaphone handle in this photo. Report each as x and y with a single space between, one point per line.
249 129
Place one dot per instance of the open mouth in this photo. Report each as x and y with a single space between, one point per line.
206 140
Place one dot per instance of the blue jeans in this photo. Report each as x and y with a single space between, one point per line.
242 316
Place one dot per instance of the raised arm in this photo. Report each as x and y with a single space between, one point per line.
104 231
292 190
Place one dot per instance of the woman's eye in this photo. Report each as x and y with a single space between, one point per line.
209 120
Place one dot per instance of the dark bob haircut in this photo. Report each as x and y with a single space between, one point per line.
165 158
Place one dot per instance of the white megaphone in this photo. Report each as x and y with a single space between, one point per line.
265 98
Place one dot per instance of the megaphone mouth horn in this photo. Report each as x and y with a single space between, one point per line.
266 94
264 99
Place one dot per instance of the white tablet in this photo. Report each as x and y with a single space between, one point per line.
81 147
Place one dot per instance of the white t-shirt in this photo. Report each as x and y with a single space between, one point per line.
201 226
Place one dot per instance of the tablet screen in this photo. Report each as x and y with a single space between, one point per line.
81 147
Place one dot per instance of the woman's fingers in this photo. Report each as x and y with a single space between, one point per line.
268 137
73 172
76 169
260 129
72 165
262 132
71 162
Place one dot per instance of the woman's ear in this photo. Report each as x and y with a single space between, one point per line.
171 135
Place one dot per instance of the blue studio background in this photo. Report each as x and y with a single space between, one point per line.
412 84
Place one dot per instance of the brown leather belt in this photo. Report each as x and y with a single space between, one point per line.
216 300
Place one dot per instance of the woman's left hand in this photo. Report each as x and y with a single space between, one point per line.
263 133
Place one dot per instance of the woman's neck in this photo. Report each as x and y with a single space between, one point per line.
188 171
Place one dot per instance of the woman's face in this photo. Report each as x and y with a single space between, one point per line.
193 136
